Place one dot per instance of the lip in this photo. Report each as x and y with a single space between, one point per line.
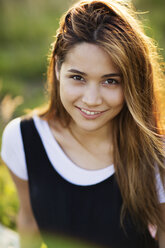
90 117
91 110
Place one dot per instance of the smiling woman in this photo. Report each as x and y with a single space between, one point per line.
90 92
90 166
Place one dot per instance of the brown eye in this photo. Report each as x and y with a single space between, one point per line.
110 82
78 78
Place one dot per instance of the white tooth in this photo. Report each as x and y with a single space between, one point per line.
89 113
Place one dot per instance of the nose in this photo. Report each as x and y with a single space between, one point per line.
92 96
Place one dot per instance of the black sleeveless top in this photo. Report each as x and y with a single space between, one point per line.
87 213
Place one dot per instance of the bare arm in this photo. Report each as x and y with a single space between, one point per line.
161 231
27 226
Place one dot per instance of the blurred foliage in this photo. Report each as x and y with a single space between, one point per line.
27 28
153 20
26 32
8 199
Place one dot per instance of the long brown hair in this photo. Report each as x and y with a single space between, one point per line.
137 138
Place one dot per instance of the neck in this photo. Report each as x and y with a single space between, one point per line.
97 137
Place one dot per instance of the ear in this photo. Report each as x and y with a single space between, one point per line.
56 69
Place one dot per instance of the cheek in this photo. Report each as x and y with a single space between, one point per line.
68 92
115 98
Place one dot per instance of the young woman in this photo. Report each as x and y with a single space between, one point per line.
91 165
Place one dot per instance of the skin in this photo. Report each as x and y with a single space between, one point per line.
97 89
26 223
92 92
85 86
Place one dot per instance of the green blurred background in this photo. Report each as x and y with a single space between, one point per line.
26 32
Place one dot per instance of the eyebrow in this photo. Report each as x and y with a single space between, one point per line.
104 76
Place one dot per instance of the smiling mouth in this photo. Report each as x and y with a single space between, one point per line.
87 112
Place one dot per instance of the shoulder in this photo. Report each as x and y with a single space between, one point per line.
12 151
12 127
11 134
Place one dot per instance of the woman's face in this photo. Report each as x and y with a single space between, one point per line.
90 87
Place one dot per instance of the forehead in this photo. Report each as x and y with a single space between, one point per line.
89 58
